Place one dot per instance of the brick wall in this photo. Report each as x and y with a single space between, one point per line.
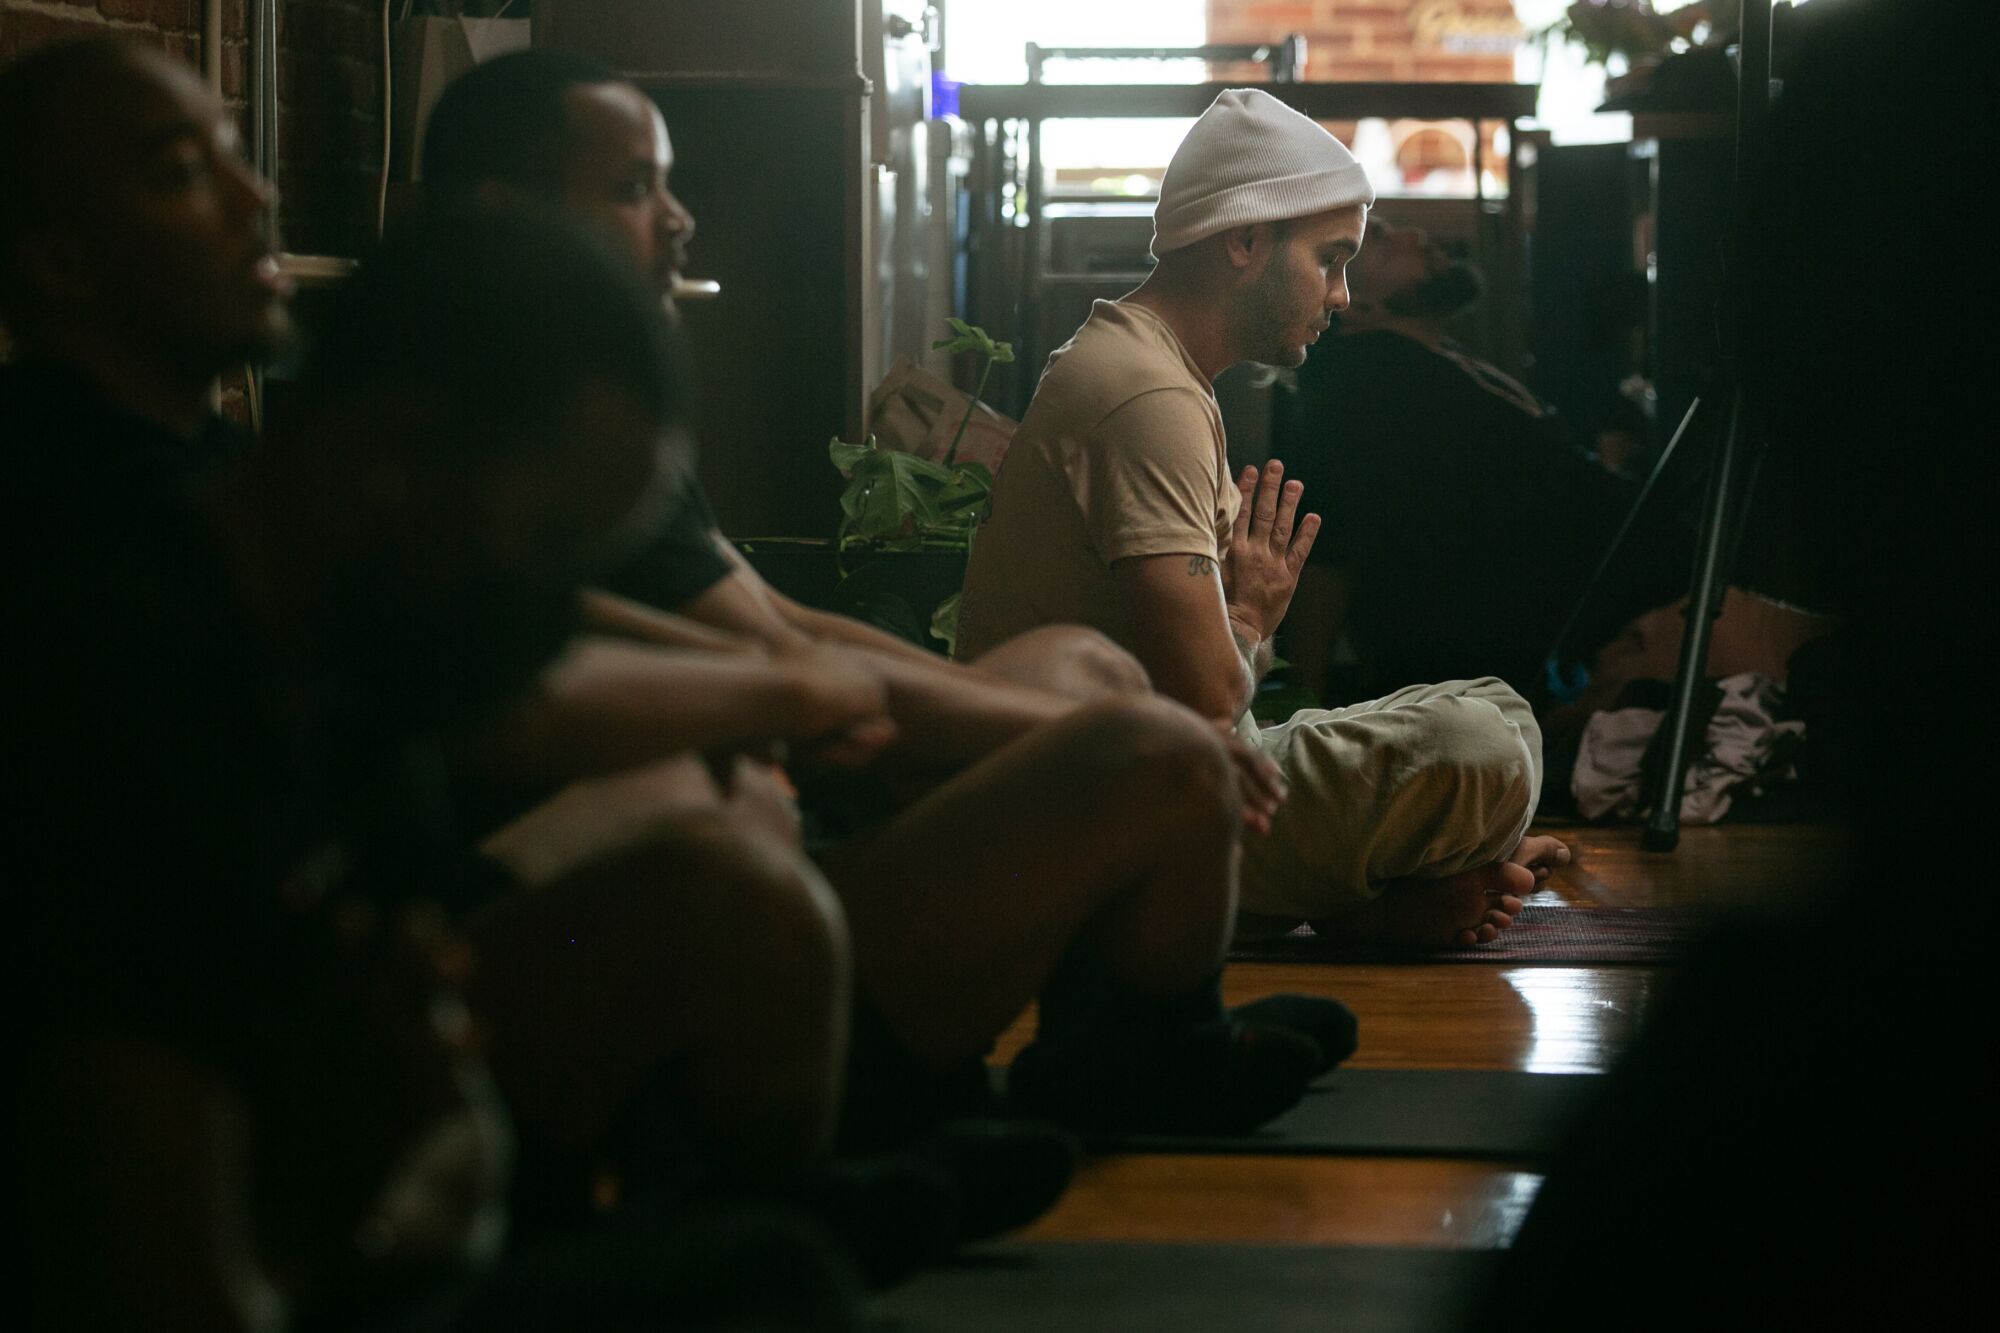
329 94
329 122
1401 41
1370 40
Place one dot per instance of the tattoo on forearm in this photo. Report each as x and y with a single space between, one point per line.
1200 566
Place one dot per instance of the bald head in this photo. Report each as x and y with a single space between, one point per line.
128 213
567 132
1404 271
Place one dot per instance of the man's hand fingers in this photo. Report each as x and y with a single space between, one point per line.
1288 508
856 744
839 689
1269 793
1261 782
1246 486
1267 495
1301 547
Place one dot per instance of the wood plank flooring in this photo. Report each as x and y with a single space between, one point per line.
1454 1016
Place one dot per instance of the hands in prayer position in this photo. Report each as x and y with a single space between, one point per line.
1267 550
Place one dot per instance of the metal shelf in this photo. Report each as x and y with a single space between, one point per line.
1321 101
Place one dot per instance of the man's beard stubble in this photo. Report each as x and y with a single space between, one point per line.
1265 318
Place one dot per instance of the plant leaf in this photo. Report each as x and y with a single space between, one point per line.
964 494
909 465
881 510
845 455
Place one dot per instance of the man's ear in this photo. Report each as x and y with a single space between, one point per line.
1244 246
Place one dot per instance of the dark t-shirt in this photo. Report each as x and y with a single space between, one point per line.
178 823
681 563
151 837
1467 519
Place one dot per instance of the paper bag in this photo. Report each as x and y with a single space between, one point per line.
915 412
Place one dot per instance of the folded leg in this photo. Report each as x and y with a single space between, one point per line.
1428 791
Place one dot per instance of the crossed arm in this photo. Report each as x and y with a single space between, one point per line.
1203 630
940 713
946 714
610 704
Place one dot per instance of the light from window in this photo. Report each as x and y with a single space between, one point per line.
984 39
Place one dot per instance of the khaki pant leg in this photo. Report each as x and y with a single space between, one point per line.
1430 781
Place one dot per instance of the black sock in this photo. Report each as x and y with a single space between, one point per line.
1008 1172
894 1213
1224 1076
1082 997
1109 1059
1330 1024
893 1096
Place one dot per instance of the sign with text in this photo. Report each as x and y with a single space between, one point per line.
1461 29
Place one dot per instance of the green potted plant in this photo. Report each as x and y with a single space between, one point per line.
907 523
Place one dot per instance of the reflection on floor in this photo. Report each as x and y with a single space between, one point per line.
1460 1016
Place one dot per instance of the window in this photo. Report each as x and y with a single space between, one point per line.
984 40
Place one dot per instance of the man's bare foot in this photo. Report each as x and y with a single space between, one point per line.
1542 855
1471 907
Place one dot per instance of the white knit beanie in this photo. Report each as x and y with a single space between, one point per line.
1250 158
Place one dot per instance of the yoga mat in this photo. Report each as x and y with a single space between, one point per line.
1487 1113
1124 1287
1541 934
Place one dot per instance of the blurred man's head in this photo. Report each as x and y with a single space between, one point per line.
562 130
1404 271
128 217
461 359
485 419
1260 210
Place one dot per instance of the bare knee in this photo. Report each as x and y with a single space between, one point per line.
1511 706
1071 660
1165 760
1096 661
1174 786
761 900
589 823
704 915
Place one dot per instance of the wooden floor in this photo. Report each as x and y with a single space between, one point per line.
1453 1016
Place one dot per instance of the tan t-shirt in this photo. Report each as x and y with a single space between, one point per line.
1120 455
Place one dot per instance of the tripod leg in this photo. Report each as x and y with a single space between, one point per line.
1663 828
1632 516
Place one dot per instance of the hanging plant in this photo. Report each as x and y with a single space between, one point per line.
1635 31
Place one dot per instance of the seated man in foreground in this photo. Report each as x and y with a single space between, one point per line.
1407 815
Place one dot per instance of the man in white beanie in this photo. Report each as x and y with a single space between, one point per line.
1116 508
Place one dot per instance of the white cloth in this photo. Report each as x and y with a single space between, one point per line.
1737 752
1249 159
